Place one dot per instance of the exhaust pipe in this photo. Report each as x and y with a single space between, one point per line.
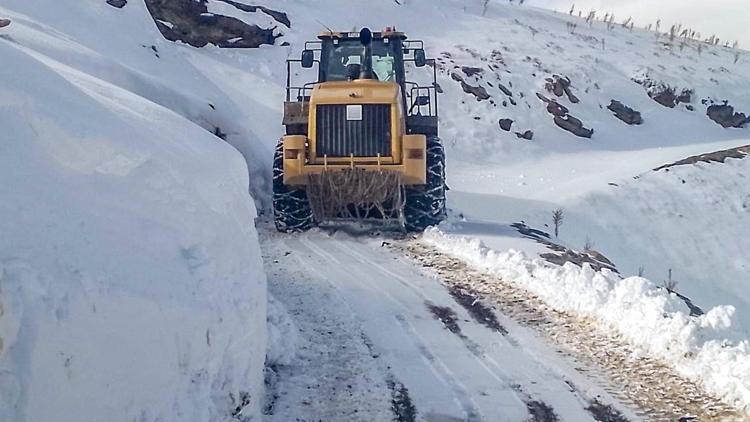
365 37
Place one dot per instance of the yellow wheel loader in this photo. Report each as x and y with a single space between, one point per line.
361 141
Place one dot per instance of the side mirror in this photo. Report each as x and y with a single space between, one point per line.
308 58
419 58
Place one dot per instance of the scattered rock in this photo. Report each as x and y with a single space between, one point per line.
564 120
497 57
528 135
686 96
505 124
117 3
724 115
505 90
625 113
574 126
664 94
560 86
478 91
563 254
471 71
190 22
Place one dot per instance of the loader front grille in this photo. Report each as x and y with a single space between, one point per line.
362 130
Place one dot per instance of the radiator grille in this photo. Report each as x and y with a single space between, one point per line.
338 137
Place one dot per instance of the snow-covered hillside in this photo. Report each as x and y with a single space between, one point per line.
131 283
129 261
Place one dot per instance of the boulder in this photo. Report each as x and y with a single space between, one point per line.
505 124
564 120
528 135
724 115
625 113
471 71
117 3
574 126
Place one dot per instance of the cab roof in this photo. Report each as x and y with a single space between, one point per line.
386 33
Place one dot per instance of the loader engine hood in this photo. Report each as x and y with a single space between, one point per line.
360 91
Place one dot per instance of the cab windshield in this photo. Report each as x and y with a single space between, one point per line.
347 56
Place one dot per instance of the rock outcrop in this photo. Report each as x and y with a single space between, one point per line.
724 115
625 113
190 22
664 94
479 92
564 120
560 86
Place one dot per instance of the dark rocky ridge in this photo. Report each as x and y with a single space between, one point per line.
712 157
189 21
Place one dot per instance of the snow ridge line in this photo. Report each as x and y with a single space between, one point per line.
642 321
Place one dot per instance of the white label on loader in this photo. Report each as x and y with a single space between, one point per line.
354 112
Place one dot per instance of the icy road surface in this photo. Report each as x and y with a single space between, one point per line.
380 341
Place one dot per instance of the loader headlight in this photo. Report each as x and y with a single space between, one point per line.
291 154
415 154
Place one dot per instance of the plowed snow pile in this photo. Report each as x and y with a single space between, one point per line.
647 316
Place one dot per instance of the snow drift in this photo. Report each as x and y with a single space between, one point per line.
647 316
131 282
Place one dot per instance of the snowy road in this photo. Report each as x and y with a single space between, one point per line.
380 340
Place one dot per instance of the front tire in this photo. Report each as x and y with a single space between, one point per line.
425 205
291 208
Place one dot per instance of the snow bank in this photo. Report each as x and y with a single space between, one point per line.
643 314
131 284
282 334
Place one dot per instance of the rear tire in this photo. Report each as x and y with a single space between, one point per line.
291 209
424 206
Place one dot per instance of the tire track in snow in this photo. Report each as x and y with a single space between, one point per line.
538 410
438 367
507 378
468 404
333 376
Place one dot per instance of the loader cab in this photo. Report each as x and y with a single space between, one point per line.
342 57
